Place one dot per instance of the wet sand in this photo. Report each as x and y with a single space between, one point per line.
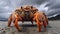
28 28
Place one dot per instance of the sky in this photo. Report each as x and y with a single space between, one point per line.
50 7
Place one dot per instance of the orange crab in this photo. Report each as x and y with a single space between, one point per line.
28 13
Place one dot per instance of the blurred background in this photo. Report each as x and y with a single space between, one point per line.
50 7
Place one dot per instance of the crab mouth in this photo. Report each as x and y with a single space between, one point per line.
27 14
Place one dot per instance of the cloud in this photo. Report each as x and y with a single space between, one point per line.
54 7
50 7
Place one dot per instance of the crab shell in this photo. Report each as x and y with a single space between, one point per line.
26 11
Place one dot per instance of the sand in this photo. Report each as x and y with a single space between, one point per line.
28 28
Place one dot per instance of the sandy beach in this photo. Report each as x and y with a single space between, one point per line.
28 28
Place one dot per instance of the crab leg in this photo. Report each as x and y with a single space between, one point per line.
46 18
44 21
32 21
16 23
9 20
39 24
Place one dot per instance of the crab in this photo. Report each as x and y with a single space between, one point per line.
28 13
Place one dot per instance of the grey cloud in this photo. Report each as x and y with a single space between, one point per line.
50 7
54 7
31 2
